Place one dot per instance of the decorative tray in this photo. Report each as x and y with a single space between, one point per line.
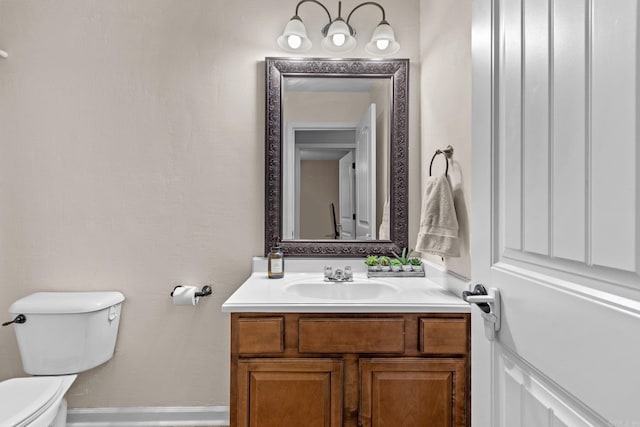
411 273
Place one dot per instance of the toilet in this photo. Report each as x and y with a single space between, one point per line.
65 333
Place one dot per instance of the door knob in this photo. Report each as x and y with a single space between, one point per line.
478 296
490 305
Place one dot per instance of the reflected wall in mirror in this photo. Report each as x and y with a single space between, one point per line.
336 156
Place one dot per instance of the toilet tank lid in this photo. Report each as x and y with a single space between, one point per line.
65 302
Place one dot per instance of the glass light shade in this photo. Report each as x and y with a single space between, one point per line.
336 33
382 35
294 37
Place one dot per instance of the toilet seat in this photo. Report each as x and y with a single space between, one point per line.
23 400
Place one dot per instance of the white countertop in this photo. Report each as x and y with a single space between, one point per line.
410 294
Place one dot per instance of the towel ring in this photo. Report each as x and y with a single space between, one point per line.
446 158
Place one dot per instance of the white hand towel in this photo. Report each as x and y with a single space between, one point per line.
438 232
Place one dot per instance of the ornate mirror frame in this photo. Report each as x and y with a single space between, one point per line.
395 69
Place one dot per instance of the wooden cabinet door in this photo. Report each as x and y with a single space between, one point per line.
289 393
412 392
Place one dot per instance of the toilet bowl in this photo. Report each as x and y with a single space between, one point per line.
65 333
34 401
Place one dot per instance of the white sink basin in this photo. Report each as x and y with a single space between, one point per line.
362 289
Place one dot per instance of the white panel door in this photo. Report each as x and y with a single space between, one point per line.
346 197
366 175
555 212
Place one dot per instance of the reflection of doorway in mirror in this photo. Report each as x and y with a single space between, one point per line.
318 181
304 143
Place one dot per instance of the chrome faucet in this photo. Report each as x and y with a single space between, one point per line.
338 275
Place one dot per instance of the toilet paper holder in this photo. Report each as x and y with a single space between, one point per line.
206 290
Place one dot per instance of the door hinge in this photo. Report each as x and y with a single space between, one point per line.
354 217
353 166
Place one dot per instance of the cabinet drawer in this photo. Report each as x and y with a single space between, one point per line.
261 335
365 335
443 336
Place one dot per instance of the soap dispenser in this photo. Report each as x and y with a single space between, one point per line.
276 263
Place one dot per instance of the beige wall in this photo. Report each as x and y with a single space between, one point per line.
132 137
347 107
319 187
445 59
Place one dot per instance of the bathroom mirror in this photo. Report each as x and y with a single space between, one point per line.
336 156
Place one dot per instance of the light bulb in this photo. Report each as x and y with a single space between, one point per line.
294 41
382 44
339 39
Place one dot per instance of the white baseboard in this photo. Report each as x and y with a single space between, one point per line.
185 416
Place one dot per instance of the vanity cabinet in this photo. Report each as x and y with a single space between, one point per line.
335 370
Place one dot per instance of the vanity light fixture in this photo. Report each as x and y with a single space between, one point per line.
338 34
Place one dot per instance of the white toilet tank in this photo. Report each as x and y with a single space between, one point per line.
67 332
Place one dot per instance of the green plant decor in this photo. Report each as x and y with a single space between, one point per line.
384 260
415 261
371 260
395 262
404 258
